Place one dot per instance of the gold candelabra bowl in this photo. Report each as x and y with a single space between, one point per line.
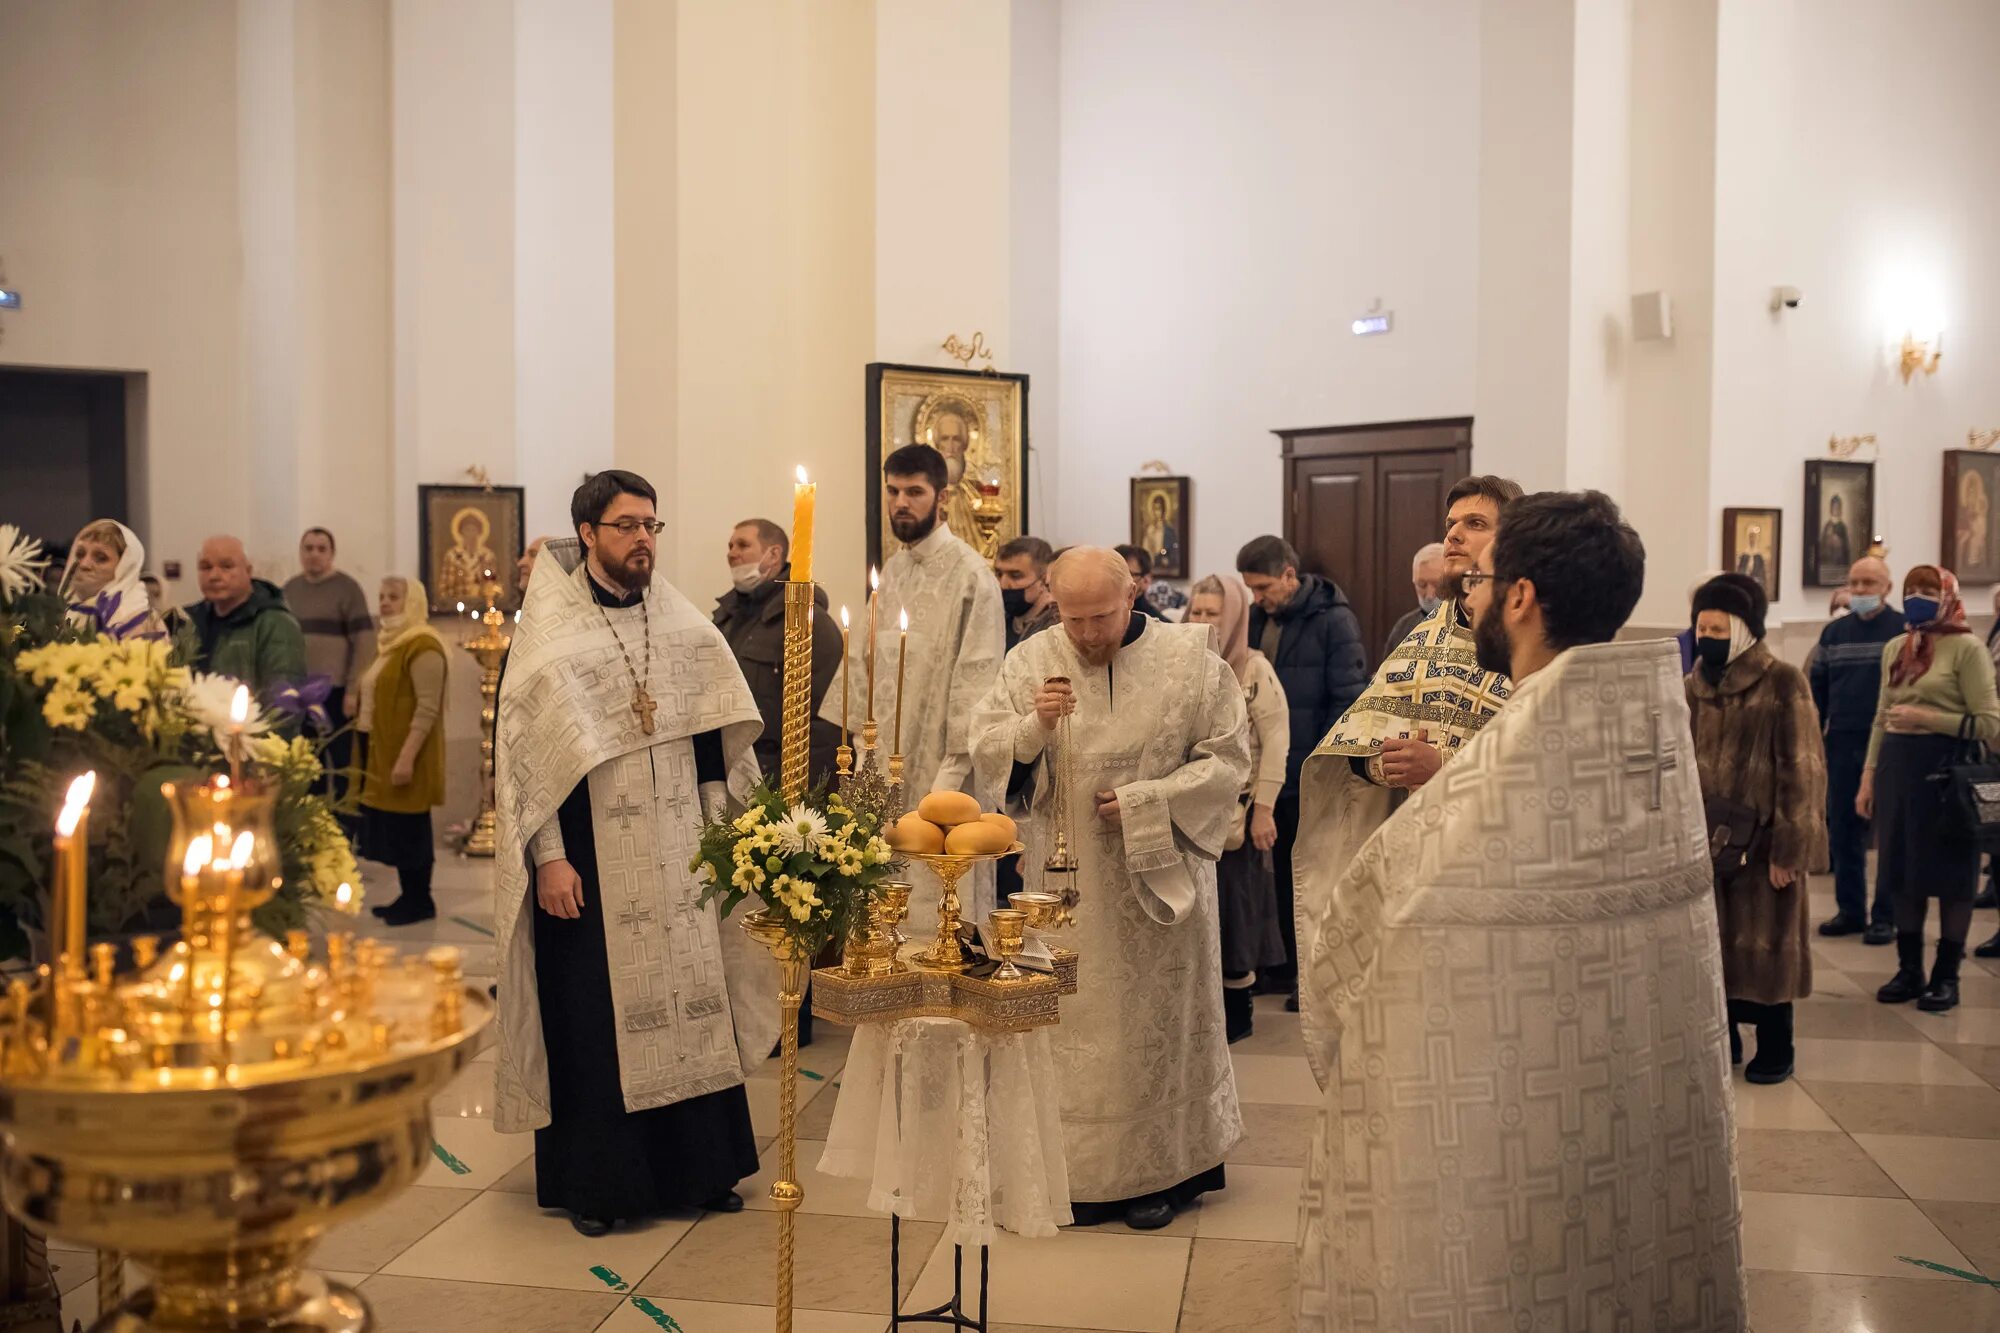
214 1112
871 949
950 868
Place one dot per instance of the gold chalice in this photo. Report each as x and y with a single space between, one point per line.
1039 908
950 868
1005 931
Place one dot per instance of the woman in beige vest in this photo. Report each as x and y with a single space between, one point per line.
401 718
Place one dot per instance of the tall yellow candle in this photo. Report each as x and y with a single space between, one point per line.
67 906
902 659
874 587
805 496
846 676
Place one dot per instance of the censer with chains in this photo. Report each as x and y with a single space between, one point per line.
1062 865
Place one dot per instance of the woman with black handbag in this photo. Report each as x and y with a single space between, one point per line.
1937 697
1763 782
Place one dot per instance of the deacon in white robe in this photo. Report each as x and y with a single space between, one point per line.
958 635
1159 749
1528 1116
629 1015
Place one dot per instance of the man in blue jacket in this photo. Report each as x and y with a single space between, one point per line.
1846 681
1305 626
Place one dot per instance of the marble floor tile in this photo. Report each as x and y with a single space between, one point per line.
1929 1167
521 1180
485 1154
1840 1061
843 1262
1081 1278
1274 1135
714 1317
1275 1080
1855 1018
763 1095
816 1118
373 1239
1784 1105
469 1096
1828 1303
1973 1227
425 1305
504 1238
1831 1233
1979 987
1832 983
1918 1108
1237 1286
1795 1161
1963 1026
1981 1060
1261 1203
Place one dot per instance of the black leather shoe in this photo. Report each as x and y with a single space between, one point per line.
403 912
1735 1044
1987 897
592 1227
1842 925
1238 1013
1908 983
1149 1216
1879 934
1292 1003
1990 949
728 1201
1941 995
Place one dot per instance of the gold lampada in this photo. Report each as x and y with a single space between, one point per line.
489 647
213 1112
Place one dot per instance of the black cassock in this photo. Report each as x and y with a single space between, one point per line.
595 1158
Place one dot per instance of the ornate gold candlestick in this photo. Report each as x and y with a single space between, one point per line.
489 647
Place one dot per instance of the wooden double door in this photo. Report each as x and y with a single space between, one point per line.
1360 501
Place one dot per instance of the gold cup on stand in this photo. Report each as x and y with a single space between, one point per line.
950 868
1006 931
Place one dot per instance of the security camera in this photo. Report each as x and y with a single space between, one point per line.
1784 298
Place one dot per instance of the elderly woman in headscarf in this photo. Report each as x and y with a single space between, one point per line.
1244 877
401 720
1763 782
1937 695
101 583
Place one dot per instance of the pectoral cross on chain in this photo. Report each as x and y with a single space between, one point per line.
1653 763
643 707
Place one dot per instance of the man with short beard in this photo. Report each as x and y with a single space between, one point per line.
1516 1009
957 638
629 1014
1158 749
1426 702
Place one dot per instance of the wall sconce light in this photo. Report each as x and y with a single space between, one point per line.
1917 354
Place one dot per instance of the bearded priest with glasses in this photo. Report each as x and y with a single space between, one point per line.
629 1014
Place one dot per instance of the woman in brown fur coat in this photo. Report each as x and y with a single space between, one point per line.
1763 780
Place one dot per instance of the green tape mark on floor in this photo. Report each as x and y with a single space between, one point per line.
657 1315
443 1154
1949 1272
471 925
814 1077
608 1278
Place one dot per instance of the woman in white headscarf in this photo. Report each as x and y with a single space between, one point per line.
1246 887
101 583
401 717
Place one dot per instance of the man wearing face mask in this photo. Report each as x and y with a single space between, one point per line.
1022 567
1846 678
1427 570
751 616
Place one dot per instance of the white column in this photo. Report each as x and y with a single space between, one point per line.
563 257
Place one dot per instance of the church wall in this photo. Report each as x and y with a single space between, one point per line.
1239 182
1034 268
118 223
1854 161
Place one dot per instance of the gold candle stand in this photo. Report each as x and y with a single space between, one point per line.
489 647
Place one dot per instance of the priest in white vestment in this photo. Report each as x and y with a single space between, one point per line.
1425 702
629 1015
1160 749
958 634
1528 1118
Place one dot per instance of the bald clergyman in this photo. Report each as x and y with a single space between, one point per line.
1846 685
1160 748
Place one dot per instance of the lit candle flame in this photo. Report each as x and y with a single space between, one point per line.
843 617
903 620
222 782
461 606
343 895
75 804
801 470
200 849
239 851
239 706
874 578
